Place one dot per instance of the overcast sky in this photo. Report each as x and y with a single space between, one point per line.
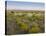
24 5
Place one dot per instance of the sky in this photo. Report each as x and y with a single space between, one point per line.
17 5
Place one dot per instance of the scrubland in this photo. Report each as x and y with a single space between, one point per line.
25 22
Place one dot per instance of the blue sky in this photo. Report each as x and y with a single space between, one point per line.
24 5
